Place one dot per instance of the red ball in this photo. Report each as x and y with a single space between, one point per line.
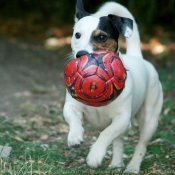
95 79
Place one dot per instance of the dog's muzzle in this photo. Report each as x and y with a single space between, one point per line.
81 53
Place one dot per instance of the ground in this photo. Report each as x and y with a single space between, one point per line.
32 94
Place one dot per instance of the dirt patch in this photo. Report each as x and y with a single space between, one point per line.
29 73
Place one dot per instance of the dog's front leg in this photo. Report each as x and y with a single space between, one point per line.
118 126
74 119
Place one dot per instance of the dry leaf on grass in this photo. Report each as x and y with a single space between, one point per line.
62 128
19 139
44 137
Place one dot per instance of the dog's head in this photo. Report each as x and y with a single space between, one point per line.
94 33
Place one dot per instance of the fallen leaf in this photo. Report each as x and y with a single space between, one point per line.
149 156
62 128
19 139
44 137
166 111
159 140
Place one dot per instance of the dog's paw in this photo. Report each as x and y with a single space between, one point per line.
95 156
75 139
131 170
119 166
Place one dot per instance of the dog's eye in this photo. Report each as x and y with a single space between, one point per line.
77 35
102 37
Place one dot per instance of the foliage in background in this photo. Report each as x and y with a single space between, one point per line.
148 13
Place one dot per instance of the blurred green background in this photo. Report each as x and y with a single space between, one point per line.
31 17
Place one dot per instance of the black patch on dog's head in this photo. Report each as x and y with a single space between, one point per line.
105 36
106 26
107 33
123 25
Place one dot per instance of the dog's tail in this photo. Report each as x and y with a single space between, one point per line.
133 43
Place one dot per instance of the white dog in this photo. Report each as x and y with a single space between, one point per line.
142 96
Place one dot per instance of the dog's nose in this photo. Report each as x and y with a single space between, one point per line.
81 53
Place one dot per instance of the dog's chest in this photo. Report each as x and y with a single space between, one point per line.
97 117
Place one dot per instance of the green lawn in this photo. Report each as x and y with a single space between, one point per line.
38 134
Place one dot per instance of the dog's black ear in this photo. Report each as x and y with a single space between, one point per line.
122 24
80 12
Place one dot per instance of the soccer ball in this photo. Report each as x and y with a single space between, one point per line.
95 79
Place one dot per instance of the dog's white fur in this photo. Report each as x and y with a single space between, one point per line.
142 97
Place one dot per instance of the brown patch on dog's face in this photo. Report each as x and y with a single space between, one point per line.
100 40
108 45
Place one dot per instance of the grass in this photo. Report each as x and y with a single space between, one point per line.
38 136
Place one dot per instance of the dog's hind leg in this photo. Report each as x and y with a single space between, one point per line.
117 160
148 121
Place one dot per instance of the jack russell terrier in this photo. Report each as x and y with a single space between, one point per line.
142 96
